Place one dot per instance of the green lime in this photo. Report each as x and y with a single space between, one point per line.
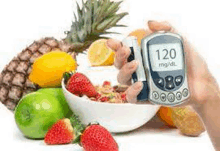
58 93
36 113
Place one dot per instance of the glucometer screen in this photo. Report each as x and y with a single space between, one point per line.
166 57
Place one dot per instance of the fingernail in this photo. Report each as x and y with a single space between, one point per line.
121 44
150 21
138 86
108 42
111 43
132 64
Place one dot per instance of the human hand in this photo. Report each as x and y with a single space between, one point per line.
198 75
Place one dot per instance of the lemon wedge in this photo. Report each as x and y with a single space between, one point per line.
99 54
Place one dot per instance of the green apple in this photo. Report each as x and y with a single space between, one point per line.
58 93
36 113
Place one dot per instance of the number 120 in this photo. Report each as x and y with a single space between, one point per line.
168 54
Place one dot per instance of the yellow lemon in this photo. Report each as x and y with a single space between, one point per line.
48 69
99 54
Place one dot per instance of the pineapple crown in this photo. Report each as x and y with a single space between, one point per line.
94 18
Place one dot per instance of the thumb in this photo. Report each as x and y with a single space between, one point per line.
133 91
159 26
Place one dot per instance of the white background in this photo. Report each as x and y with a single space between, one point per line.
22 21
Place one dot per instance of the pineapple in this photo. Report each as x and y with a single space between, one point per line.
94 18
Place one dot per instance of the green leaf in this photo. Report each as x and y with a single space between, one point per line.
83 11
67 76
104 24
121 15
76 123
79 11
92 20
114 7
77 139
89 19
116 19
121 25
94 10
111 32
75 17
104 8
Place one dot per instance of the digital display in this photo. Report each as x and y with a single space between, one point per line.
166 57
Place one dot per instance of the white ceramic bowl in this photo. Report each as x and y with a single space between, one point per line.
115 117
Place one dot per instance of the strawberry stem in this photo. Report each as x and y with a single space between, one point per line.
67 76
77 126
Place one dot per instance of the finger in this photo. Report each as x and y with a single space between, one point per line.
114 44
125 74
133 91
159 26
121 56
165 26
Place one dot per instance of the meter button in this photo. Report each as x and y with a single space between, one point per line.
185 92
163 97
178 80
169 79
160 82
178 96
155 95
171 97
169 82
169 85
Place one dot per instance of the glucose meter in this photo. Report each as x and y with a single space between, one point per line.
164 72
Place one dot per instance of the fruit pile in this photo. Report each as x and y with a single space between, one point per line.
45 114
30 85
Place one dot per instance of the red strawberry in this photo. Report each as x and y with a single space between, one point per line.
79 84
123 97
98 96
104 99
61 133
92 138
97 138
106 83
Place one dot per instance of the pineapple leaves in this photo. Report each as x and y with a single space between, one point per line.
104 24
92 19
78 11
120 26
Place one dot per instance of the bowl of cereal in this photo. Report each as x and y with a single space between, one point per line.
115 113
